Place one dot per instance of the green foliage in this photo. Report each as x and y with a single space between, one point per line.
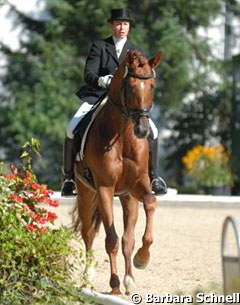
33 263
171 26
209 166
201 120
32 266
43 76
30 148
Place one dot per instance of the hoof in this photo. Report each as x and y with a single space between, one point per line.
140 262
116 291
129 284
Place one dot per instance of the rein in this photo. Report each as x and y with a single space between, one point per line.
133 113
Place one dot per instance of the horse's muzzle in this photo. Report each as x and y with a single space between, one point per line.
141 127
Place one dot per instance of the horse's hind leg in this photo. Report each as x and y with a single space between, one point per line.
89 221
130 215
142 256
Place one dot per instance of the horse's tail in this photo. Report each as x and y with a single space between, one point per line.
76 220
91 210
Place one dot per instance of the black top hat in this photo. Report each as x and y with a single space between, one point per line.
121 14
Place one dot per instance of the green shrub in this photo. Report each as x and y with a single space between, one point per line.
33 265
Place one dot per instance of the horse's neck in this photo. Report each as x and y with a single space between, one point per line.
119 128
112 116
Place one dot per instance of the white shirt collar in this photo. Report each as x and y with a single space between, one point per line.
119 42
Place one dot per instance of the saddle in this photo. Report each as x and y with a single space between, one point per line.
80 137
82 129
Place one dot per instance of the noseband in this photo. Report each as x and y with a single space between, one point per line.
133 113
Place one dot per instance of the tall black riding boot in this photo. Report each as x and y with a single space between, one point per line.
159 186
68 187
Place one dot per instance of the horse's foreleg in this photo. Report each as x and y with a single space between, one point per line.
142 256
130 215
105 203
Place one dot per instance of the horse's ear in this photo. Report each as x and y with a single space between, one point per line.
128 57
155 61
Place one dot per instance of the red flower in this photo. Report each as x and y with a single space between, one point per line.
28 175
35 186
16 198
51 216
41 220
53 203
44 190
43 230
42 198
25 196
31 227
9 176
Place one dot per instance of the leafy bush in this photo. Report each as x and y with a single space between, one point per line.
33 265
209 165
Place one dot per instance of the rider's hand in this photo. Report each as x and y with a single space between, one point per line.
104 81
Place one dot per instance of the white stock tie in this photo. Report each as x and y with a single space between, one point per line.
118 50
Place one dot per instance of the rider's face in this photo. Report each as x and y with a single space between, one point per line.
120 28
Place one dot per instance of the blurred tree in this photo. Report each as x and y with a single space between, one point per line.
203 120
206 117
44 74
172 26
195 88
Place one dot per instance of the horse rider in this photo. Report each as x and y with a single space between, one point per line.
103 59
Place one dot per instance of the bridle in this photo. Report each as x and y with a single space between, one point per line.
137 112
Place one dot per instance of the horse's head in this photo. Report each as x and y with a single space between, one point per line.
132 89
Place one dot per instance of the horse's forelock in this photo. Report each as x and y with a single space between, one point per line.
136 59
143 61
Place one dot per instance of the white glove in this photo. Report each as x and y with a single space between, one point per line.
104 81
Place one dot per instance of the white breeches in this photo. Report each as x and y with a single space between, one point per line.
83 109
154 130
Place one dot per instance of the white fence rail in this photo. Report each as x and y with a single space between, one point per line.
103 299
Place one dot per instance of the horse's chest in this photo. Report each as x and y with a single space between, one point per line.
134 155
132 166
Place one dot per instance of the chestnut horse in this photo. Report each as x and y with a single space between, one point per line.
117 153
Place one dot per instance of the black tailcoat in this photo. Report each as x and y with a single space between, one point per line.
102 60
